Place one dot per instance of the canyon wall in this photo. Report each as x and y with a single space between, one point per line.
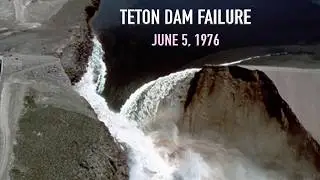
48 131
57 28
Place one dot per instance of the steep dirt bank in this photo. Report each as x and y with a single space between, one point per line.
298 87
243 108
230 113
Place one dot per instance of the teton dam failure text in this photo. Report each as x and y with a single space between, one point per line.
183 16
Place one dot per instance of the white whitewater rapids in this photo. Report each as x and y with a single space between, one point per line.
149 161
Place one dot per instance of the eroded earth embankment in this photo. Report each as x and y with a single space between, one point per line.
244 108
229 113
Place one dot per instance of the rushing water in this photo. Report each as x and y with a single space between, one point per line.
145 162
158 157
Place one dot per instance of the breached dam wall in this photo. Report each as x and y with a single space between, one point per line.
227 110
299 88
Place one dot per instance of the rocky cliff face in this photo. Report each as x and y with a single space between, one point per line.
244 108
59 28
47 130
74 56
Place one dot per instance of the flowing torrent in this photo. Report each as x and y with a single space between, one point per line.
147 161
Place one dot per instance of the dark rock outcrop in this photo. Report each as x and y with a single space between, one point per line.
64 33
246 110
74 56
131 61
